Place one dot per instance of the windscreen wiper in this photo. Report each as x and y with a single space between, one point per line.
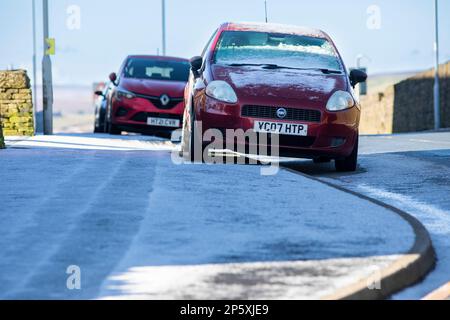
323 70
275 66
330 71
265 65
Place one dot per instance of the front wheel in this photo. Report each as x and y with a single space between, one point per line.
191 140
350 163
97 129
196 148
113 129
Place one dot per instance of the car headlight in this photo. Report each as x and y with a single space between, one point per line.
120 94
340 100
222 91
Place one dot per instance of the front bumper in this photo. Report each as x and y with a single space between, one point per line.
133 113
333 136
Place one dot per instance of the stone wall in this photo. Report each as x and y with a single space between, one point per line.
16 107
377 111
407 106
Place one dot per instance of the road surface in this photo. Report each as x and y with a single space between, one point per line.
138 226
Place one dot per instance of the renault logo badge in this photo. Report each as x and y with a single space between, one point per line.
164 100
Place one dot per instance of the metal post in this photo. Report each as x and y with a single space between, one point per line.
265 8
47 83
363 87
36 125
437 113
163 6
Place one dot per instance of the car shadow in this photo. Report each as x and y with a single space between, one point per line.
303 166
310 168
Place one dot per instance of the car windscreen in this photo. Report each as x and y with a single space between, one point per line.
294 51
142 68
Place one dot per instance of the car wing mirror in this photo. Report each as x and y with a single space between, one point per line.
196 64
99 93
357 76
113 78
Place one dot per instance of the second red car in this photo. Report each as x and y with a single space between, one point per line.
148 95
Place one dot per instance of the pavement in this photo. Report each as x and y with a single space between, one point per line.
442 293
410 172
139 226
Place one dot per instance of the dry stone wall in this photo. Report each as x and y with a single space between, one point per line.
407 106
16 106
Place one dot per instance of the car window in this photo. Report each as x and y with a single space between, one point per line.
281 49
142 68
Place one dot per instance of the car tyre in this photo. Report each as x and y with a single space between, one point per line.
113 129
191 140
97 129
350 163
195 143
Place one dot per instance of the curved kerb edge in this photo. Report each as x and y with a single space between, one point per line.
412 267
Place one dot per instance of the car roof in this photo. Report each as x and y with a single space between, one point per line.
155 57
273 28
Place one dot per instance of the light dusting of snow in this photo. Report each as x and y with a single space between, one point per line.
285 58
436 219
89 142
286 79
279 28
260 281
264 48
258 220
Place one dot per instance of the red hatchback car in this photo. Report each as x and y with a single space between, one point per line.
280 80
148 95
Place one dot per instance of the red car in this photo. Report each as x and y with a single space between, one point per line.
148 95
285 81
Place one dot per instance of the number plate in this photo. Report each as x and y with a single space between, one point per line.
163 122
291 129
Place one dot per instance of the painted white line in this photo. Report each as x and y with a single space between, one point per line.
429 141
436 220
91 143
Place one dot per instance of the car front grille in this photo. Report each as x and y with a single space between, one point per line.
293 114
156 101
143 116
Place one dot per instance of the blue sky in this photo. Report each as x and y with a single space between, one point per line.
112 29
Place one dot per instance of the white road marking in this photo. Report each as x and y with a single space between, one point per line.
93 142
437 220
429 141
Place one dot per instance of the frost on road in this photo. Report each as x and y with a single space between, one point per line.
139 226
